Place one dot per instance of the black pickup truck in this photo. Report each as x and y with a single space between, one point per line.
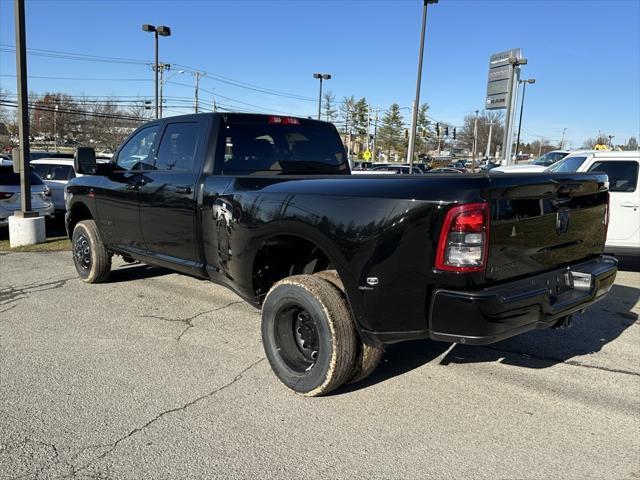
341 265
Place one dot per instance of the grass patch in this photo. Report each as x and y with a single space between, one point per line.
52 244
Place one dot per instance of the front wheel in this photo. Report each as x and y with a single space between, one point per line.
90 257
308 335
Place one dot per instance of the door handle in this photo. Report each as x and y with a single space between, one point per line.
183 189
629 205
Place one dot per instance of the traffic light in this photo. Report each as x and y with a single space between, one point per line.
438 129
406 133
446 130
454 133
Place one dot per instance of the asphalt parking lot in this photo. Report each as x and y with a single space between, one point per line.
158 375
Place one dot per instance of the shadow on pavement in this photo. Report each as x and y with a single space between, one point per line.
136 271
628 263
603 323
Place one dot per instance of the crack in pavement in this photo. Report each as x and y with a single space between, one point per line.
11 295
573 363
188 322
112 446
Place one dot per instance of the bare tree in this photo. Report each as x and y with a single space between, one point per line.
485 119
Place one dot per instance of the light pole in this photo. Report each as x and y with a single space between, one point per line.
610 139
475 140
562 141
321 76
416 101
524 88
163 31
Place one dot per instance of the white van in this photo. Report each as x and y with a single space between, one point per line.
623 237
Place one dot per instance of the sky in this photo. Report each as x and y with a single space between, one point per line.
583 54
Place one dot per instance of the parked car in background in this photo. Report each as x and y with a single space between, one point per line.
56 173
10 193
488 165
446 170
399 169
538 165
623 236
460 165
36 154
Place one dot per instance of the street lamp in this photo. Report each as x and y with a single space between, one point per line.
524 87
163 31
321 76
416 102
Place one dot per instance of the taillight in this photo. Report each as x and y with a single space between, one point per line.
464 239
5 195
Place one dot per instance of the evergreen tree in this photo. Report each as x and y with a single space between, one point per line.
424 132
391 132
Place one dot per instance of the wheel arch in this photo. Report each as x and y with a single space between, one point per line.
77 212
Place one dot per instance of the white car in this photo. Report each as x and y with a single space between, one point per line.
538 165
10 200
623 237
56 173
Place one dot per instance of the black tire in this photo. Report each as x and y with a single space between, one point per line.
367 356
90 257
308 335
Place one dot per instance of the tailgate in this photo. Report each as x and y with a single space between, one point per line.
542 221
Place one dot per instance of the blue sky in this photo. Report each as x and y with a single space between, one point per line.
584 55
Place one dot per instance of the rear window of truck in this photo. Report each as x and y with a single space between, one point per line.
281 145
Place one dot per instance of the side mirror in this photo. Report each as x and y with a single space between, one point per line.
84 161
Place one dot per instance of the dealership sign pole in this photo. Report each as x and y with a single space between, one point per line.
502 89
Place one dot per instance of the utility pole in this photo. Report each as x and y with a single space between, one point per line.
55 128
475 140
416 101
368 126
162 67
197 75
375 134
488 152
562 141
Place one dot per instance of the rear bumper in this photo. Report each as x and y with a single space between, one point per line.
495 313
5 214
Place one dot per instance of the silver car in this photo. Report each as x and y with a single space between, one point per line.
41 201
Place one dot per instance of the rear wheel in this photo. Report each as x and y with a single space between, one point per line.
367 356
308 335
90 257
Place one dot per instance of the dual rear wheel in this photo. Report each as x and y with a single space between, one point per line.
309 336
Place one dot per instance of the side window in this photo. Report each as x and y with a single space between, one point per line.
41 169
177 150
623 176
60 172
137 153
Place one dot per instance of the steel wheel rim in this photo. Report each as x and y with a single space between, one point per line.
82 252
297 338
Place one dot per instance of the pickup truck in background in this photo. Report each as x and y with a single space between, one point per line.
341 265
